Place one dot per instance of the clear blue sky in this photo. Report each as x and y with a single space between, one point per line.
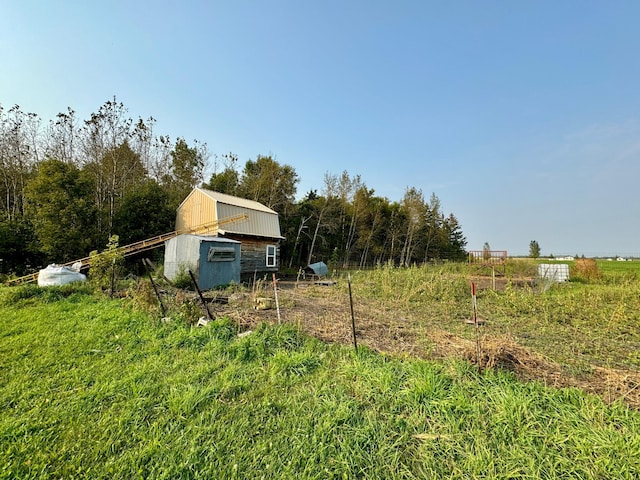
523 117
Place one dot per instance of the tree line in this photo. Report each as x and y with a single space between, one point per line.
68 185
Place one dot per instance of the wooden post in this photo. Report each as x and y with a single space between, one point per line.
155 289
275 291
204 303
475 324
493 277
113 277
353 318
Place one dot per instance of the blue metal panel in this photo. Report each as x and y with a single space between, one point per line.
219 262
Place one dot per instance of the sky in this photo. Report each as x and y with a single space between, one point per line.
523 117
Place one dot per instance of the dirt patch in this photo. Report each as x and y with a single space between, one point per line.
321 312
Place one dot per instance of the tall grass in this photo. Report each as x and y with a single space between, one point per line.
576 323
92 389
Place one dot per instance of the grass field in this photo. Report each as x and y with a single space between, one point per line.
92 388
614 268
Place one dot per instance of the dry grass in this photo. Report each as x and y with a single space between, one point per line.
324 313
586 268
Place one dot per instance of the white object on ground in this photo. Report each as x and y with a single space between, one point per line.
55 275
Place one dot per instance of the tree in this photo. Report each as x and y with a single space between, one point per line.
298 227
432 225
228 180
18 155
414 209
321 206
144 213
18 248
456 242
186 170
63 137
106 266
117 173
486 251
266 181
369 223
58 204
108 158
534 249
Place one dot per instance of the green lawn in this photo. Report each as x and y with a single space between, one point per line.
90 388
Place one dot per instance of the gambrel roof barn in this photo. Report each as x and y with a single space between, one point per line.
259 234
203 206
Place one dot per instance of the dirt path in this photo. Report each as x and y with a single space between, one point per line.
321 313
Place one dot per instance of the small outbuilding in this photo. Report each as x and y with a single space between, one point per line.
214 261
259 234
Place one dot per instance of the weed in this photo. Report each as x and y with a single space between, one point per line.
586 269
182 279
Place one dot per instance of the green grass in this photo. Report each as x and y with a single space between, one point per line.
614 268
90 388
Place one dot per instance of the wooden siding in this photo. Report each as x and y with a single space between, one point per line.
196 209
253 255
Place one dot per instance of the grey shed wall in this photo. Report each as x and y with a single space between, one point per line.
214 261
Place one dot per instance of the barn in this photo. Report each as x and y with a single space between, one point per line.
259 234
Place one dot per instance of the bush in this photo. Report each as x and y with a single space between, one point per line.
106 267
586 269
183 279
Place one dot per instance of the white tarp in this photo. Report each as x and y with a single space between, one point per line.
55 275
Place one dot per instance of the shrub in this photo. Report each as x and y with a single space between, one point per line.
106 266
586 269
182 279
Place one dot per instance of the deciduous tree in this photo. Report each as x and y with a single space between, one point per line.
58 202
228 179
186 170
18 154
270 183
145 212
534 249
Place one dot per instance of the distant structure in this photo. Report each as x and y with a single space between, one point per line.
488 258
496 260
556 272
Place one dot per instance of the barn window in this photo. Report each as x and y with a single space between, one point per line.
221 254
271 255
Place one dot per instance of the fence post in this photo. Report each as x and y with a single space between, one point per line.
353 318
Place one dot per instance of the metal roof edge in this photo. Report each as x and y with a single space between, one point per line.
242 202
245 234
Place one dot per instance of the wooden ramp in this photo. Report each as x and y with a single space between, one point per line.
143 245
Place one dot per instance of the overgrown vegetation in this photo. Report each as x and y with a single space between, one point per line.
66 189
91 388
591 321
107 266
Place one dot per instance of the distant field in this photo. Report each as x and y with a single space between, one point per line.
615 267
606 267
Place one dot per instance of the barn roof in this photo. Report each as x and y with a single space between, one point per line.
261 222
236 201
